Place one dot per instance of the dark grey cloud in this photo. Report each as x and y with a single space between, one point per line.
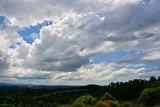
71 64
3 65
4 61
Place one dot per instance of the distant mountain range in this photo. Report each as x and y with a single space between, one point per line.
36 86
10 84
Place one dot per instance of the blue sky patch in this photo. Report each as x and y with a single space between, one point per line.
120 56
2 18
26 33
153 65
13 46
131 57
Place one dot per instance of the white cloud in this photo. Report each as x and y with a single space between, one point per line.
4 53
29 12
99 72
34 35
152 56
81 29
64 45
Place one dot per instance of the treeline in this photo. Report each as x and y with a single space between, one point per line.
131 89
122 91
134 91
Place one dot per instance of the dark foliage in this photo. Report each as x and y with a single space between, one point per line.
51 96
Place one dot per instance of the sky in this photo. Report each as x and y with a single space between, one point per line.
78 42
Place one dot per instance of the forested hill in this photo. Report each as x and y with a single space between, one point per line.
33 95
121 91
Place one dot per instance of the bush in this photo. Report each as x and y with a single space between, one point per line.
86 99
78 104
107 96
126 104
107 103
102 104
150 96
112 103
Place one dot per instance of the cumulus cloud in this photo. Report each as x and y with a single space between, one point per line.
80 29
68 44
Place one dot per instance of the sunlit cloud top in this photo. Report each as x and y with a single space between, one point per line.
78 41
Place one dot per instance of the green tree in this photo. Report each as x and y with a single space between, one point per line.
153 79
107 96
86 99
150 96
158 78
155 84
19 98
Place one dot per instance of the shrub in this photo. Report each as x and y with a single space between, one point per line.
86 99
78 104
102 104
112 103
107 96
107 103
126 104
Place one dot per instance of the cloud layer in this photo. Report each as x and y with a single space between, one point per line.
80 30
